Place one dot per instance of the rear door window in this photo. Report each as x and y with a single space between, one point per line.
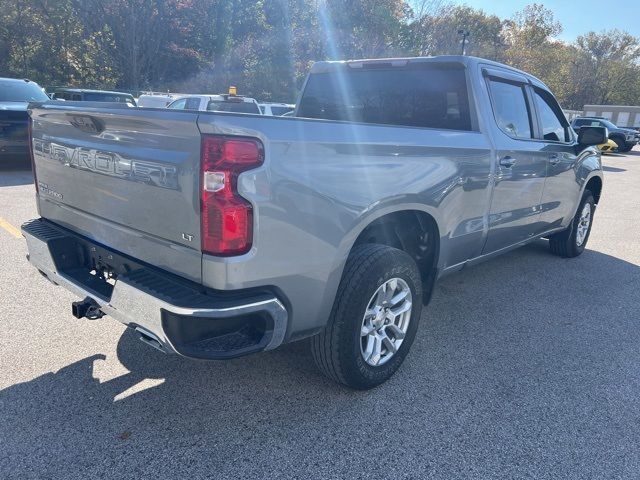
511 109
417 95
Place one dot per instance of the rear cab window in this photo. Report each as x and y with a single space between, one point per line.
427 95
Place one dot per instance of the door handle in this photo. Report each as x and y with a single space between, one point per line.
507 161
554 159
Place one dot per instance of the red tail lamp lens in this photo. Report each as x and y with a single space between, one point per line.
227 217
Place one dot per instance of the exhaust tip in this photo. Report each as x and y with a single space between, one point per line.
150 339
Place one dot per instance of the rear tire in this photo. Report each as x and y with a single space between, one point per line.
374 276
571 242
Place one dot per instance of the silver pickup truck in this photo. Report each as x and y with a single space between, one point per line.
215 235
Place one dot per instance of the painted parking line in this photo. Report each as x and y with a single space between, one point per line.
10 228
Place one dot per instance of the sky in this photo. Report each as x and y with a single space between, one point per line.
577 16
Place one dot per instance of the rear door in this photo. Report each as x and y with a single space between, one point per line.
125 177
520 171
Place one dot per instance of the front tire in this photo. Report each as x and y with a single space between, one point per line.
571 242
374 318
620 141
624 148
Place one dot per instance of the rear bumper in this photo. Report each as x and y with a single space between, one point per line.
171 314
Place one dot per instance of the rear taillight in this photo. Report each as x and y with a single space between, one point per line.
227 218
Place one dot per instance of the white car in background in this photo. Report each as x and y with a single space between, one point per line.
217 103
276 109
157 100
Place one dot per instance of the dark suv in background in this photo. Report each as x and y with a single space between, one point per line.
626 138
85 95
15 95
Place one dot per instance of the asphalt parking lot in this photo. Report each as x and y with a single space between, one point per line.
527 366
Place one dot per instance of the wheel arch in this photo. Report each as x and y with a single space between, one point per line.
594 185
411 229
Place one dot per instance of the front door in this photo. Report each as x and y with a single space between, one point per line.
562 186
520 170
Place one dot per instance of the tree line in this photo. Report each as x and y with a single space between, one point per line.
265 47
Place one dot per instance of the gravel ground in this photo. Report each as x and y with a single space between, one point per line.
526 366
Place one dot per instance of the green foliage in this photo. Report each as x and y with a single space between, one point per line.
436 32
611 61
265 47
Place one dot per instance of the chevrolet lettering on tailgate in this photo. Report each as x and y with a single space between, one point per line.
108 163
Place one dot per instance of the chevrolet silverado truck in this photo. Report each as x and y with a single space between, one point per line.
215 235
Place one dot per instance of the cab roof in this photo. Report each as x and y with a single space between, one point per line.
462 60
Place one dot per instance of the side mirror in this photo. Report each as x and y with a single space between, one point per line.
592 135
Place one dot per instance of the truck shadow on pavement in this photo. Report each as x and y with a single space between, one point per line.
613 169
516 350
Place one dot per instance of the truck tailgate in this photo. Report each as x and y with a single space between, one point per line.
127 178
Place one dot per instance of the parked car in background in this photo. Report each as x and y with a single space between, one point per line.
624 116
157 100
571 114
276 109
608 147
217 103
214 235
15 95
85 95
625 138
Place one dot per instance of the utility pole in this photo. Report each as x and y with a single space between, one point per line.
465 35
